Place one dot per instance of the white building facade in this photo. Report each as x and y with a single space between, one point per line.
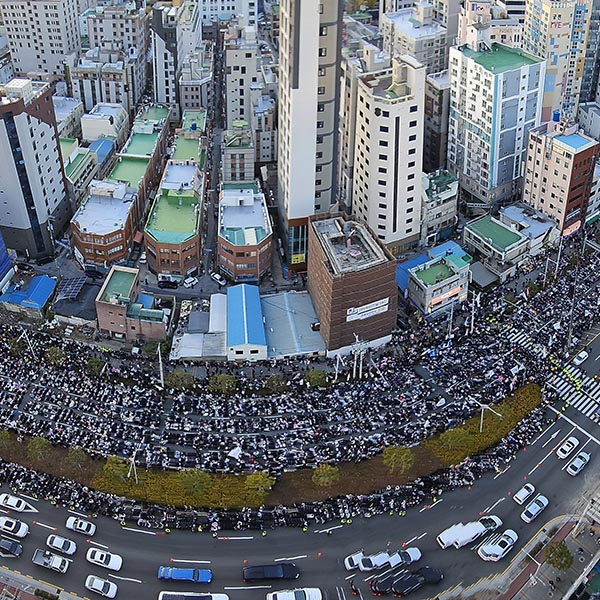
224 10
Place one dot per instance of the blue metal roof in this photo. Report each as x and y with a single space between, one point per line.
37 294
244 316
402 269
444 249
102 148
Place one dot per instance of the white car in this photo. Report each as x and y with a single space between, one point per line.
105 559
13 527
143 259
534 508
567 447
524 493
352 561
371 562
404 557
61 544
13 502
297 594
580 358
218 278
105 588
190 282
80 526
576 465
499 546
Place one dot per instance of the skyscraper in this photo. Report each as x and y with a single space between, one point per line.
309 94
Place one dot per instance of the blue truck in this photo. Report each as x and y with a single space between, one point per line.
177 574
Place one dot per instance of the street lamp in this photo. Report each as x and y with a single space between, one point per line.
483 408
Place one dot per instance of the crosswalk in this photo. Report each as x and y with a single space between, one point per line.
572 385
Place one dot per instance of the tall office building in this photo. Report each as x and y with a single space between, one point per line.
310 41
388 152
557 30
34 203
176 33
41 33
494 101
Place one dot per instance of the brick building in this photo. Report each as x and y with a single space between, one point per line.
351 279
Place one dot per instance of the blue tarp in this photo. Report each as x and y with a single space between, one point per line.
37 294
244 316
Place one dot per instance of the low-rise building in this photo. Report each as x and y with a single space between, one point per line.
81 167
105 120
538 228
237 151
196 79
246 338
190 138
245 233
126 313
172 232
351 280
31 300
69 112
439 283
102 229
439 207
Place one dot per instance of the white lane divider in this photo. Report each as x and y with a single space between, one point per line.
502 472
428 506
290 558
97 544
125 578
549 440
74 512
238 537
139 530
46 526
29 497
422 535
183 560
250 587
489 508
327 530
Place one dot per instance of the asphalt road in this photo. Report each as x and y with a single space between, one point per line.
319 555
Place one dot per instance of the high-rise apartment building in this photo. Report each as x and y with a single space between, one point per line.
388 152
176 33
557 30
310 41
494 102
487 22
559 172
41 33
34 204
514 9
435 132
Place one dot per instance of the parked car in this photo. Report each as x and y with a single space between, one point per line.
80 526
524 493
499 546
567 447
104 587
10 547
352 560
534 508
580 358
372 562
190 282
105 559
166 284
64 545
404 557
178 574
281 570
13 527
13 502
218 278
407 583
297 594
578 463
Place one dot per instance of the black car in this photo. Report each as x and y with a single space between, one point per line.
165 284
279 571
24 267
382 585
10 547
410 582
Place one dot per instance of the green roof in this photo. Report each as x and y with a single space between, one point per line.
153 113
237 235
66 147
129 169
497 235
76 163
500 58
186 149
194 116
242 185
137 310
435 273
119 282
173 217
141 144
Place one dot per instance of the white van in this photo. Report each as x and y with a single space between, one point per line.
191 596
450 535
461 534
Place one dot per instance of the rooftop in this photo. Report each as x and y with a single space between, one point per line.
243 217
140 144
405 24
71 167
348 245
576 141
193 120
119 283
499 58
64 106
532 223
103 214
440 181
130 169
244 316
154 113
35 295
186 148
67 145
102 148
499 236
105 110
433 272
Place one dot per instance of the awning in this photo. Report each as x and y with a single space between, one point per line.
138 237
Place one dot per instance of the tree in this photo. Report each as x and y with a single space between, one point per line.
257 485
94 366
559 556
316 378
116 469
195 481
398 457
325 475
55 356
16 346
276 384
223 384
38 448
6 439
179 379
76 458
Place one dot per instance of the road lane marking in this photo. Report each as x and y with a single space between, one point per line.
422 535
290 558
551 452
29 497
182 560
575 425
428 506
543 433
412 539
250 587
97 544
125 578
486 510
550 438
239 537
502 472
139 530
351 576
326 530
74 512
44 525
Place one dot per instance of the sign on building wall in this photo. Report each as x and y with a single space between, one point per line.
358 313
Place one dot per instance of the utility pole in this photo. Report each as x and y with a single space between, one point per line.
160 368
